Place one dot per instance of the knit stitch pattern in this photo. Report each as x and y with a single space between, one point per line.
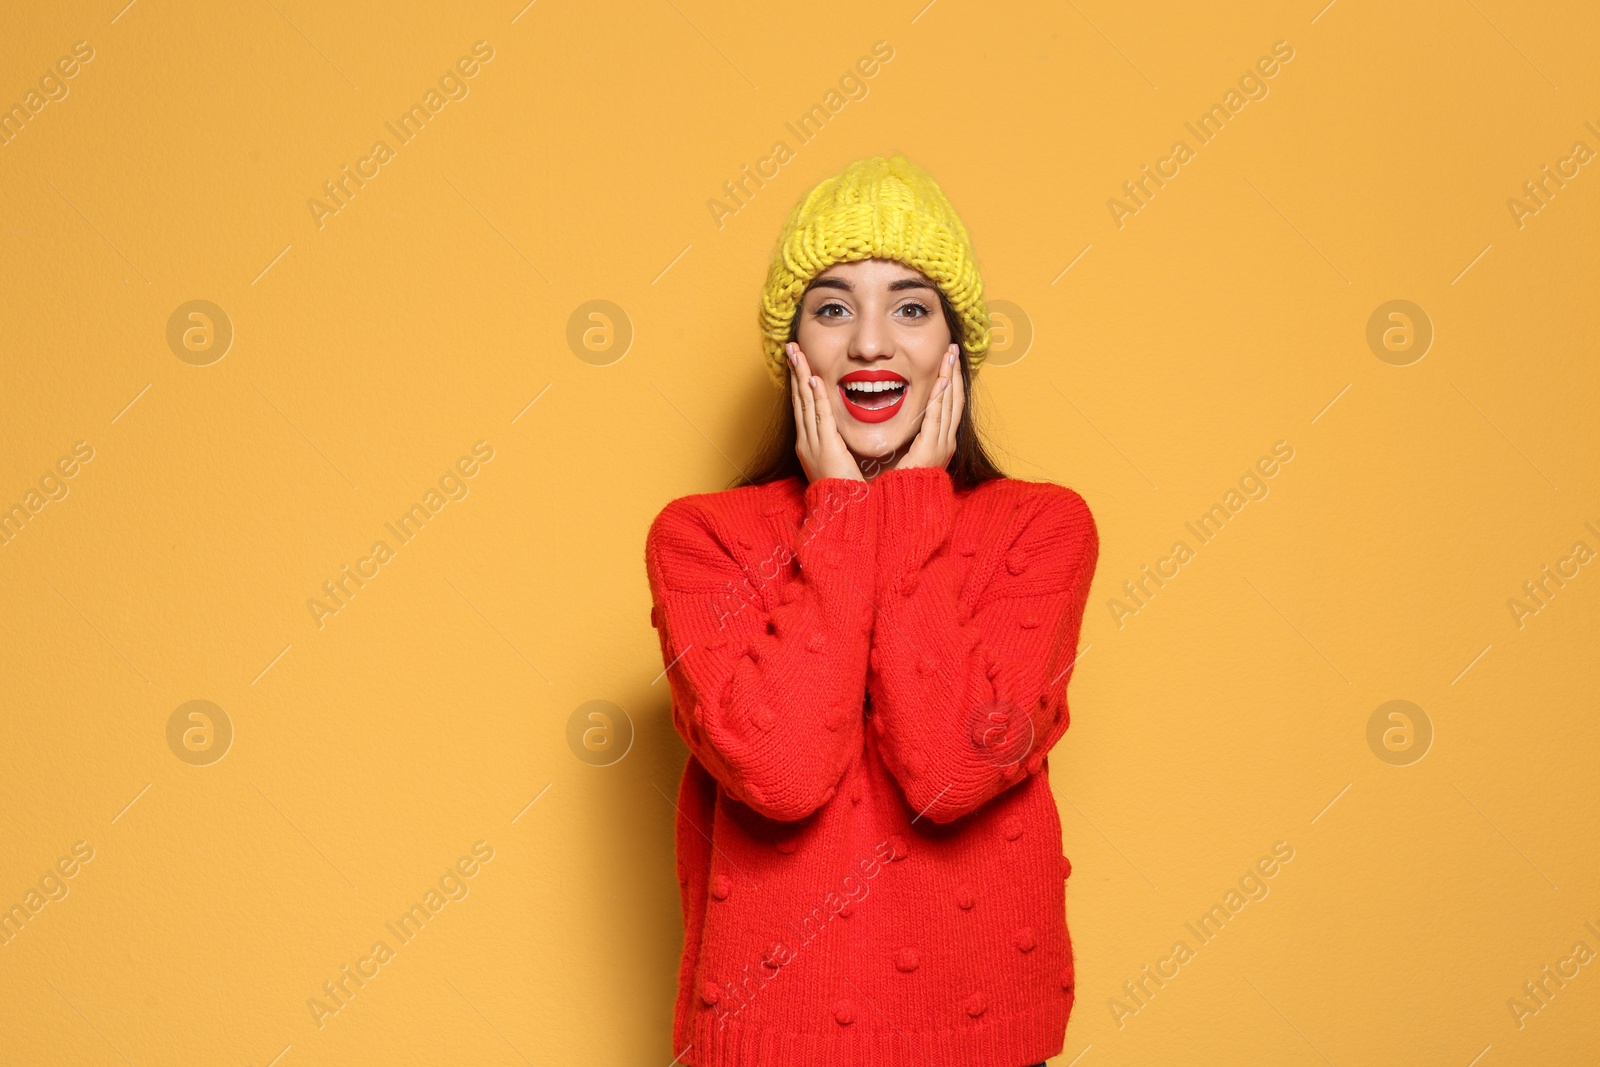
869 677
884 207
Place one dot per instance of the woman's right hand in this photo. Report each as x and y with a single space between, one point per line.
822 451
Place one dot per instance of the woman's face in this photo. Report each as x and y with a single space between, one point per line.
869 322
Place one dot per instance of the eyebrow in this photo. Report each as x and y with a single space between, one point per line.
894 287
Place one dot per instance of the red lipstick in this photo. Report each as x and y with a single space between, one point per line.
878 404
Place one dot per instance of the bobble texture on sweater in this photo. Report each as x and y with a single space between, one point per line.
869 677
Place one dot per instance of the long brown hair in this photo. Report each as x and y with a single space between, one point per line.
775 457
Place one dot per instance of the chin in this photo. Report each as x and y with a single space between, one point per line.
874 442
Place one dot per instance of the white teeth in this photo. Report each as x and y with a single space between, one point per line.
872 387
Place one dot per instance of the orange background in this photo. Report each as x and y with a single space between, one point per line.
372 348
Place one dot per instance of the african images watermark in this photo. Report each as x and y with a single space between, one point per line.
52 487
731 997
339 991
1252 886
1399 732
1399 332
199 732
1137 594
1543 188
599 732
781 556
452 485
1538 591
738 192
1541 990
199 332
1252 85
338 191
52 89
52 886
599 332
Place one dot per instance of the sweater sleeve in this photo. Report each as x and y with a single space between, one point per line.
968 676
767 664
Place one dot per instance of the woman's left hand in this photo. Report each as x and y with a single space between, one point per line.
935 442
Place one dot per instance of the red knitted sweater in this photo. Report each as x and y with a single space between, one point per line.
868 676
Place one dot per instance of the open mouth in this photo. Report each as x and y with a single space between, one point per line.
873 395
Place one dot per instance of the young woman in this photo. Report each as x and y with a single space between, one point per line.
868 644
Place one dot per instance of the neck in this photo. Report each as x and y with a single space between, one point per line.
872 466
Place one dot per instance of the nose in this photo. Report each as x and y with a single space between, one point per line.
872 339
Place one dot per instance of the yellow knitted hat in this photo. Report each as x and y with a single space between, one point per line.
877 208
